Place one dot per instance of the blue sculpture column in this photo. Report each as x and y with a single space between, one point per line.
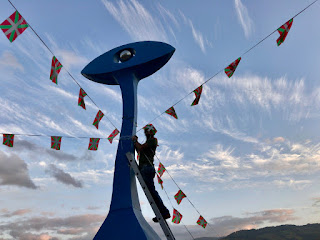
126 66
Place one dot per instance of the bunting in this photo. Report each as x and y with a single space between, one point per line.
161 169
8 139
232 67
94 144
56 67
176 218
179 196
202 222
160 181
97 119
113 135
82 94
283 31
172 112
56 142
13 26
197 92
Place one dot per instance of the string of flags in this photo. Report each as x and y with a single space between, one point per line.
8 140
229 70
14 26
179 196
283 30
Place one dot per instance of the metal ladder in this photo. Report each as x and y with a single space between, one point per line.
164 225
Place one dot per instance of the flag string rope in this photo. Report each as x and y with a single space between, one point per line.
45 135
169 198
247 51
64 67
186 196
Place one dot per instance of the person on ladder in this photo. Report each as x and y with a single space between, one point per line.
146 154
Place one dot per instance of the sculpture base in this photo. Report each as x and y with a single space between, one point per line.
124 224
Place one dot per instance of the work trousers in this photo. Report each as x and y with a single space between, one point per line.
148 173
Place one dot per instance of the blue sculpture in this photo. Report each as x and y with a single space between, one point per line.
126 66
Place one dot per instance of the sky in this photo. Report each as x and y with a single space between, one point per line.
247 156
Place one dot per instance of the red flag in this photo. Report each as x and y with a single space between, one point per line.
56 142
176 218
8 139
113 135
161 169
172 112
94 144
97 119
82 94
232 67
179 196
55 70
160 181
13 26
197 92
202 222
283 31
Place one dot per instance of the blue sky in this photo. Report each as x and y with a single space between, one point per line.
247 156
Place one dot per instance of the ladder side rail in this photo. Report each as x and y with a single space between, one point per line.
164 225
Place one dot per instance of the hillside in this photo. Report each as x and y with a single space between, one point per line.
284 232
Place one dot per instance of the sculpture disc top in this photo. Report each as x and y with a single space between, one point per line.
141 59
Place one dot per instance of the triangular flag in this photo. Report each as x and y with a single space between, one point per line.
113 135
160 181
179 196
13 26
283 31
55 70
161 169
176 218
94 144
97 119
56 142
197 92
82 94
172 112
232 67
202 222
8 139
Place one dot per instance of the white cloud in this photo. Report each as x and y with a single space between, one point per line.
295 184
138 22
198 37
9 60
244 18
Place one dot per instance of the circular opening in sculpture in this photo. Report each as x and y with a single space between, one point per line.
125 55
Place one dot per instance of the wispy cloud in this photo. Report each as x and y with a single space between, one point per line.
9 60
198 37
244 18
138 22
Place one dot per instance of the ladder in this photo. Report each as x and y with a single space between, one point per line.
164 225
